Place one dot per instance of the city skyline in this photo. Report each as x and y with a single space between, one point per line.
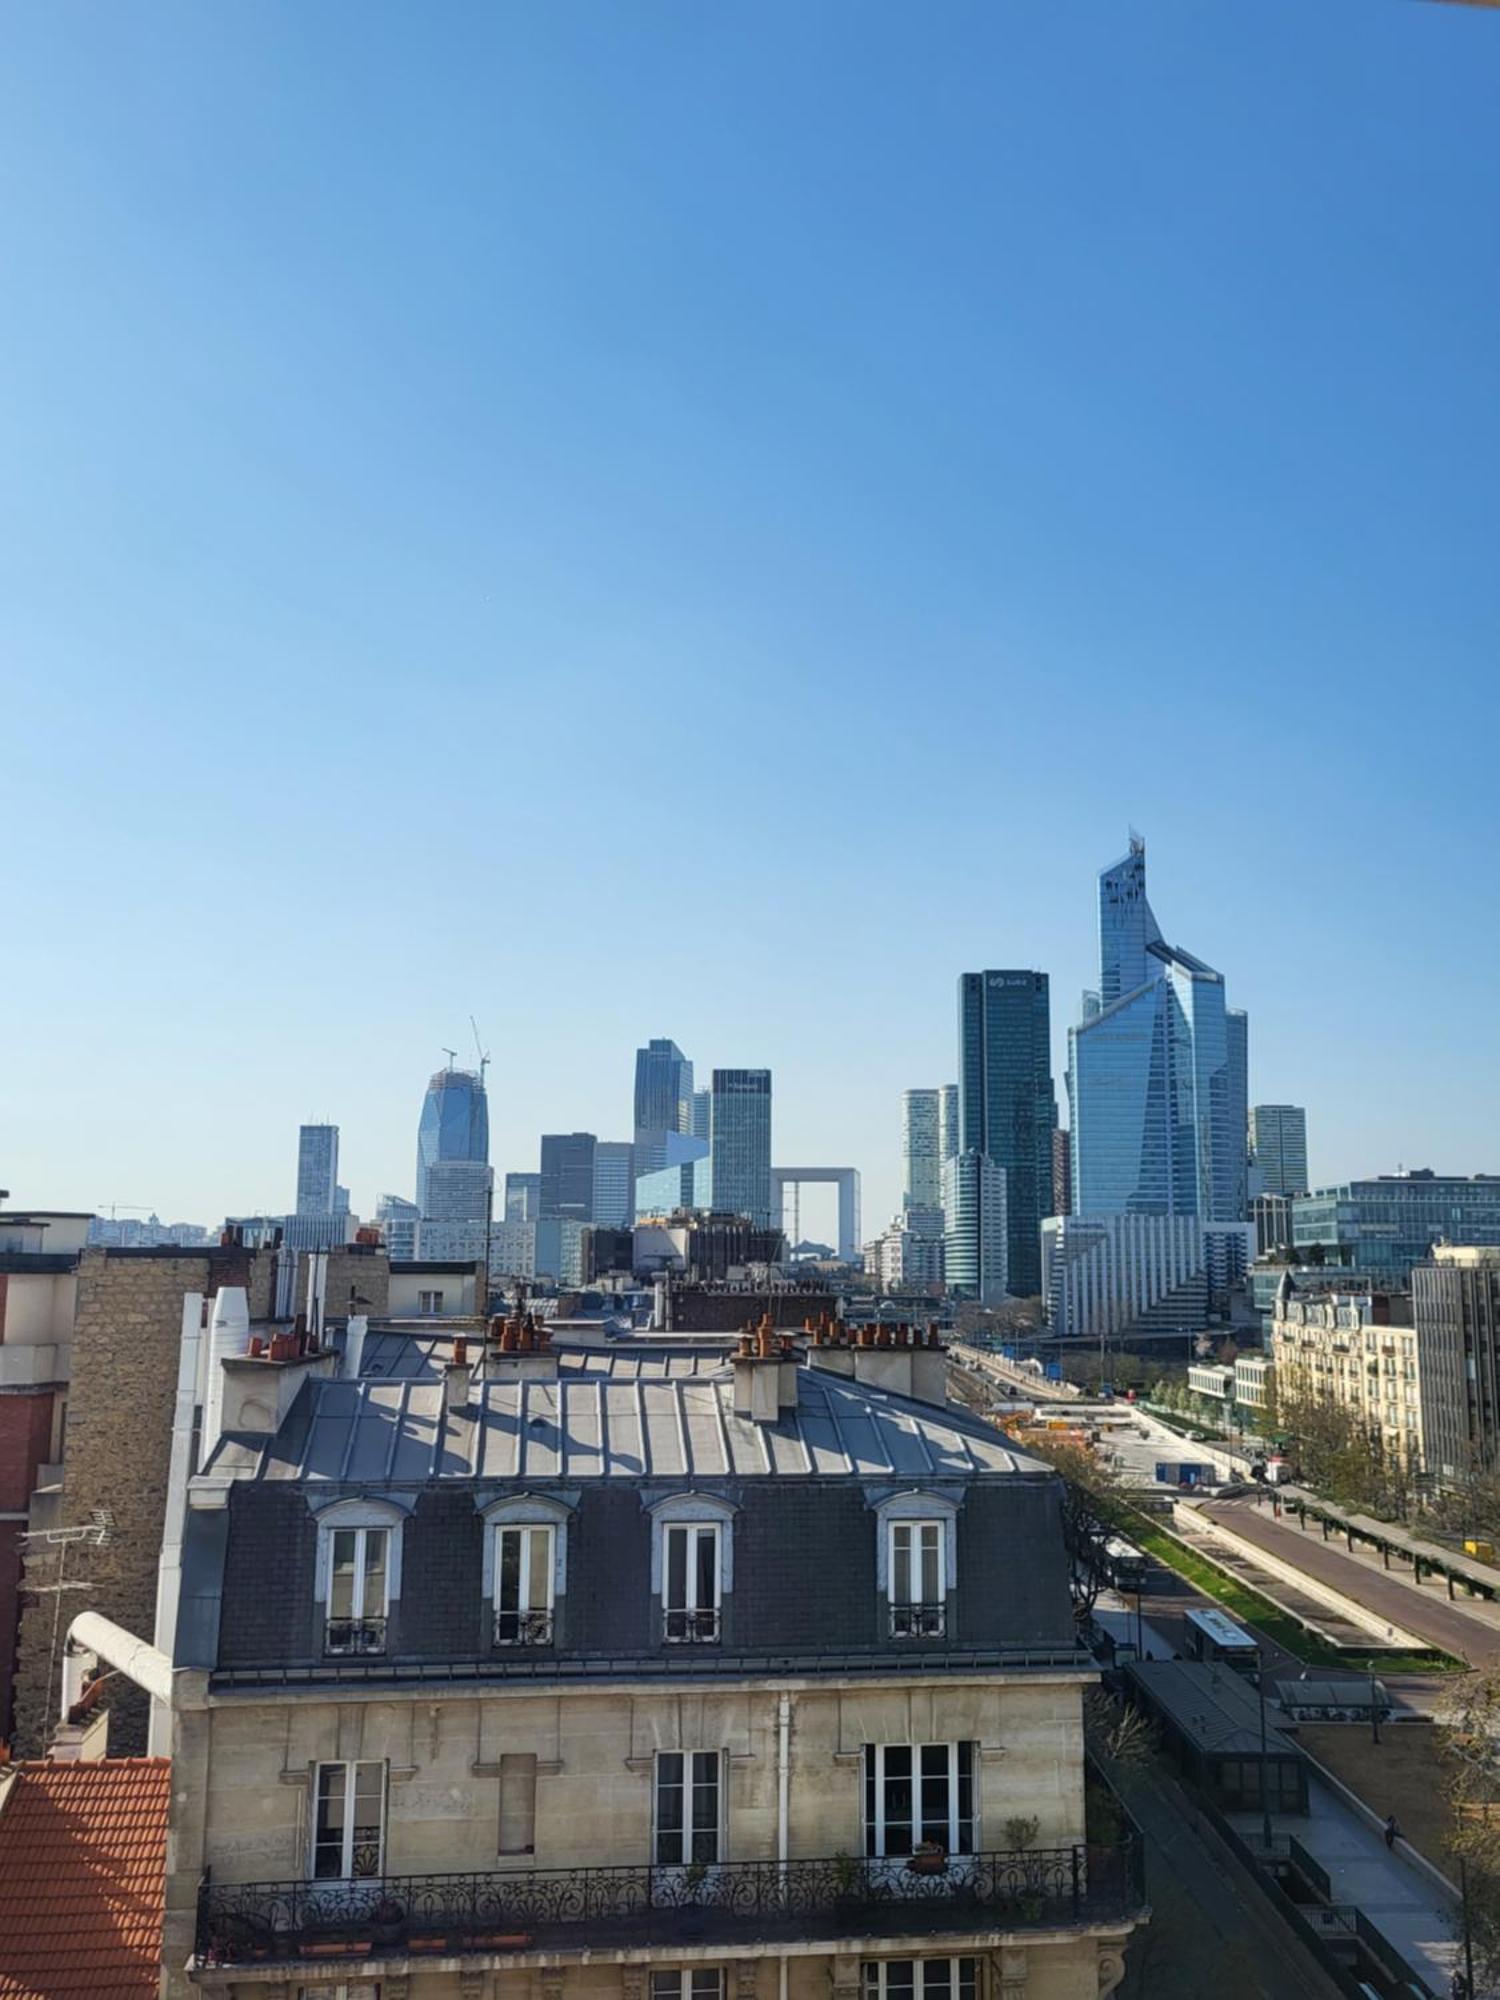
988 458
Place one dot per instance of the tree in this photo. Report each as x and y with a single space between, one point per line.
1470 1735
1093 1507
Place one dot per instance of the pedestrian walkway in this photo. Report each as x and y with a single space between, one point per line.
1416 1918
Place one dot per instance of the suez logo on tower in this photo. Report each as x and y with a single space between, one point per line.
1009 978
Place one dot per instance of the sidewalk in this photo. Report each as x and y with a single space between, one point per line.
1413 1914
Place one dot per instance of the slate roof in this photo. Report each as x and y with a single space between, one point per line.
647 1413
82 1878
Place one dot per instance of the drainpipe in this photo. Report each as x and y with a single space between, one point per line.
783 1806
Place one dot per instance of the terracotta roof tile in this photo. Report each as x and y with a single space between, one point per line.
82 1877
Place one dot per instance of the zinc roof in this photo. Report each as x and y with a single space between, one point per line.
646 1413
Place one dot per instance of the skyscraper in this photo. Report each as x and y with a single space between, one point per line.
921 1158
614 1183
567 1180
317 1169
948 1121
663 1100
974 1245
454 1128
398 1219
523 1197
1278 1139
1155 1078
736 1177
1007 1108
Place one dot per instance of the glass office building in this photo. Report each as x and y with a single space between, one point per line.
1385 1225
614 1183
1278 1140
663 1100
921 1154
735 1179
1158 1078
317 1169
454 1126
567 1178
1007 1108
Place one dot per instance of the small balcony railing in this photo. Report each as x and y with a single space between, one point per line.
354 1635
918 1621
691 1628
523 1628
625 1909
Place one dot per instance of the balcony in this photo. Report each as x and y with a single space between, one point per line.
523 1628
346 1636
918 1621
691 1628
738 1903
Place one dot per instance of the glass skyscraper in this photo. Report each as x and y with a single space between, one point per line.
921 1154
1278 1139
735 1179
663 1100
454 1127
1157 1078
567 1180
317 1169
1007 1107
975 1238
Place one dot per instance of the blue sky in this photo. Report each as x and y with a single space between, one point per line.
656 518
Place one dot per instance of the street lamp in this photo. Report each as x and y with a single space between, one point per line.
1374 1708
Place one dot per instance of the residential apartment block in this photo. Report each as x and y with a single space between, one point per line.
1359 1352
669 1671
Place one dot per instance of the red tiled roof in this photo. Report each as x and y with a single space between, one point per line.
83 1851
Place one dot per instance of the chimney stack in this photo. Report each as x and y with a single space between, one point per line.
458 1382
765 1374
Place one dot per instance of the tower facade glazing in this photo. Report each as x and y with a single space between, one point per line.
1278 1139
975 1231
317 1169
454 1126
921 1155
735 1179
1007 1107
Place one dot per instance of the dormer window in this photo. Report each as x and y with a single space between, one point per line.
918 1580
358 1584
691 1582
916 1562
358 1597
525 1560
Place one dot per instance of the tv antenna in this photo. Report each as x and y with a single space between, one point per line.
93 1533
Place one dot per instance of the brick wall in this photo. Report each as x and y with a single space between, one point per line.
126 1339
25 1442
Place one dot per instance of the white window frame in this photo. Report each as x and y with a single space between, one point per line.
694 1622
357 1514
689 1982
533 1622
875 1977
915 1508
351 1767
368 1628
429 1303
691 1761
876 1829
915 1614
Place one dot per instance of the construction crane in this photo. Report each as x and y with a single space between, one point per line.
480 1050
134 1207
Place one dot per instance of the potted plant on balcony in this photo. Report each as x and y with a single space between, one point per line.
930 1857
848 1881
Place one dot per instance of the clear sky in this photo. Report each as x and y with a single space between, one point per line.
638 517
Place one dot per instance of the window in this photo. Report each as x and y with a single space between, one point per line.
918 1585
348 1821
919 1792
697 1984
524 1563
345 1989
429 1302
358 1594
518 1804
690 1581
921 1979
687 1807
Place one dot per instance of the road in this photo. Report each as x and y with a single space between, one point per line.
1427 1613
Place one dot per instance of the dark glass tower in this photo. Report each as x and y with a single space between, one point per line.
1007 1107
454 1127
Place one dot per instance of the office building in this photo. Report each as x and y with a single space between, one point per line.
976 1236
921 1149
1272 1216
1359 1352
1062 1173
1386 1225
576 1777
1278 1145
908 1255
706 1248
318 1170
948 1122
845 1179
1237 1040
1456 1315
454 1130
1137 1277
735 1179
1007 1108
614 1184
1156 1077
672 1185
663 1100
523 1197
398 1219
567 1176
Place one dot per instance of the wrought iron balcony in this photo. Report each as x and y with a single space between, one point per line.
918 1621
619 1909
691 1627
523 1628
354 1635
